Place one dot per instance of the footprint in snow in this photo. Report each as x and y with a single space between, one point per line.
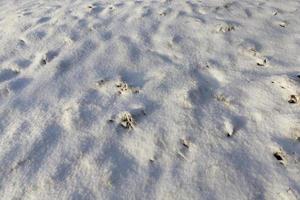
128 120
251 51
4 92
43 20
121 86
48 57
283 24
7 74
185 146
293 99
280 156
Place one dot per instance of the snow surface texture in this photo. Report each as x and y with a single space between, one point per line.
168 99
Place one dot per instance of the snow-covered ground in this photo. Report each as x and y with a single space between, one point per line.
153 99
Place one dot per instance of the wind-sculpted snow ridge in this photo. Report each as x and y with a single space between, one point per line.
150 99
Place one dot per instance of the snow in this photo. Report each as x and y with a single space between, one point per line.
154 99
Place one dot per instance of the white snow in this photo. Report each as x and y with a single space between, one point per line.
153 99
